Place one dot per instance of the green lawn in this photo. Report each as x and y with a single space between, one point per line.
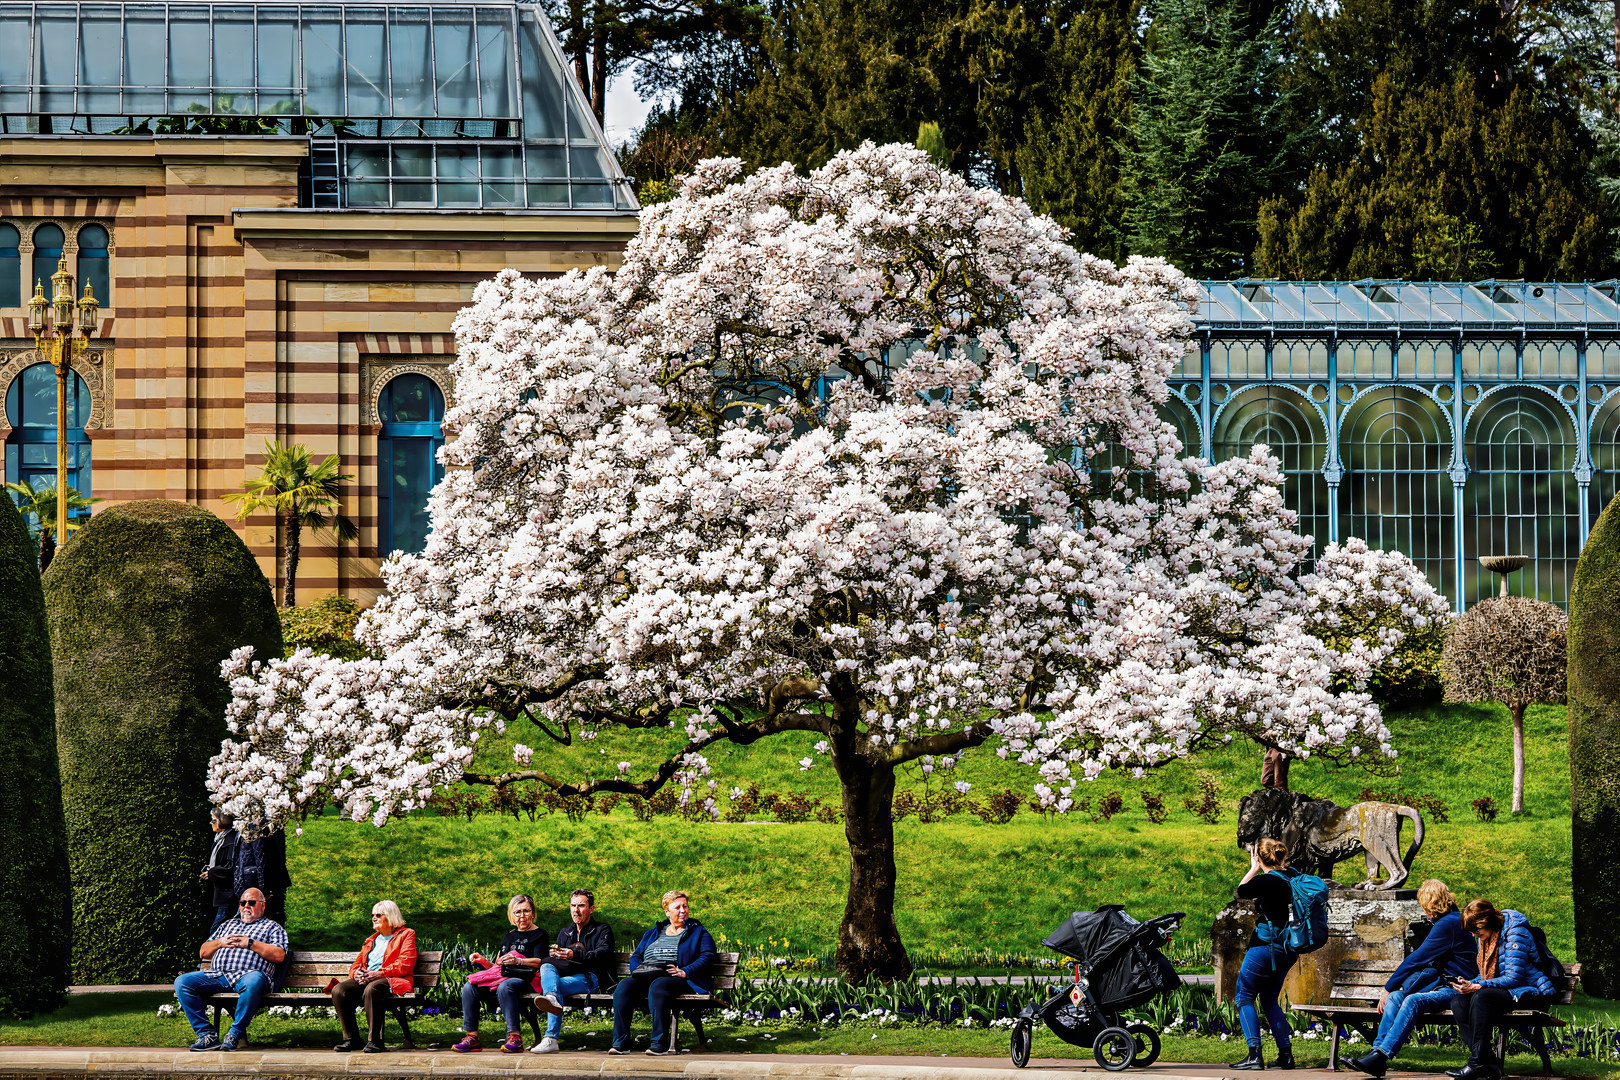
964 885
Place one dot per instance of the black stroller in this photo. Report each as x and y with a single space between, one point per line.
1117 965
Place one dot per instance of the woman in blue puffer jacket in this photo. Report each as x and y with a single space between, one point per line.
673 958
1508 979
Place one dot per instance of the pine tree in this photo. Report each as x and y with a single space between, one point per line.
1206 142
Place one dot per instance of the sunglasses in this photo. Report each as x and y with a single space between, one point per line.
250 903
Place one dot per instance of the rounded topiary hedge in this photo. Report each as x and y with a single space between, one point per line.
143 604
36 934
1594 753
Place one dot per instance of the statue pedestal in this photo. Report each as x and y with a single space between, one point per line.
1362 925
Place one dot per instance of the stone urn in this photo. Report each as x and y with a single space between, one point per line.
1504 565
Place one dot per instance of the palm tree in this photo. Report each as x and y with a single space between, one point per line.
38 501
302 495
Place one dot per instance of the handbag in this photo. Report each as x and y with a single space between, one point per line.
489 978
650 971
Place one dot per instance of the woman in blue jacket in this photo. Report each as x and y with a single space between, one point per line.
1506 978
1419 984
684 950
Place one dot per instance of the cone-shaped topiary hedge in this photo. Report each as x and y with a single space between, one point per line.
143 604
1594 754
36 934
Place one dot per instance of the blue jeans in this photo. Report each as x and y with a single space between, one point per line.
658 995
1261 976
509 994
562 986
1401 1014
192 986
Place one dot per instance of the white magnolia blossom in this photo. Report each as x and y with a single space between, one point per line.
868 452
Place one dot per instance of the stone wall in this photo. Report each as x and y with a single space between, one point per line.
1361 925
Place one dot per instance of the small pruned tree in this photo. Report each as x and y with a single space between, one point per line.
37 502
1512 650
302 495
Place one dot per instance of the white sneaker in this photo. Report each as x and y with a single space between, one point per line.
547 1045
556 1002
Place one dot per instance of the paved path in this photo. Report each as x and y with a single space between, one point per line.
77 1063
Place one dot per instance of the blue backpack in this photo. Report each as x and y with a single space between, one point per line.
1307 928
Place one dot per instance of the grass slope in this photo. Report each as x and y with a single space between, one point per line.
963 884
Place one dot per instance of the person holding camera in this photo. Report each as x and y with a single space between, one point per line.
672 959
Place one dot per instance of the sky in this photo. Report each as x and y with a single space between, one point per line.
625 111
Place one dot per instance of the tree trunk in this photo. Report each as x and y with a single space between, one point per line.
1518 759
868 941
579 42
47 549
599 19
289 587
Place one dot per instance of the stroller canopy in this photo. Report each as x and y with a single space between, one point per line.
1122 955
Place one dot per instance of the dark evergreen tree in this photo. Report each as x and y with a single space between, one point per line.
36 931
142 606
1594 754
1205 142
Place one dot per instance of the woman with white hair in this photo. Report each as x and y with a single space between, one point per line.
385 966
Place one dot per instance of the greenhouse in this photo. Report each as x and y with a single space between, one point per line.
422 106
1448 421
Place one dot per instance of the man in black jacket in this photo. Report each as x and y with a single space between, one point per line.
581 963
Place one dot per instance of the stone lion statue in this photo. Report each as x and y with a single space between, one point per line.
1319 833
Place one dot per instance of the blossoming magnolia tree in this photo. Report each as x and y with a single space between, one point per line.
824 455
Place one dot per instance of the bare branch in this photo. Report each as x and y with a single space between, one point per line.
946 742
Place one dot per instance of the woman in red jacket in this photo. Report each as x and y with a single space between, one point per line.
386 966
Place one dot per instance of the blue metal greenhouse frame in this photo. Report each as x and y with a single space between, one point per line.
1445 420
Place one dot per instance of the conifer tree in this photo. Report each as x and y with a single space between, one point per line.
1205 142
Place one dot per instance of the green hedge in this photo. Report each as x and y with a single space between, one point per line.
143 604
1594 754
36 934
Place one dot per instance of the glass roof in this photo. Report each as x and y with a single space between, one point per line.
1345 306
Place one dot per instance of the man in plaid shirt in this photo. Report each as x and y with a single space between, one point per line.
241 958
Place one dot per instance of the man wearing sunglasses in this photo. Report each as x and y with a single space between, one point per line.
242 958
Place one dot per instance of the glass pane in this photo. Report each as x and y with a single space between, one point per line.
409 399
323 71
367 62
99 40
366 194
58 60
233 60
542 85
579 128
10 279
144 58
366 161
547 161
590 162
189 63
47 250
278 57
38 399
458 176
410 56
16 30
412 160
454 74
410 476
495 61
554 194
593 195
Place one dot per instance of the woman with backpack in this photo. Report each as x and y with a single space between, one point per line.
1268 959
1509 977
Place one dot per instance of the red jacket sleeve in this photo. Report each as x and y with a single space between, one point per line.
399 962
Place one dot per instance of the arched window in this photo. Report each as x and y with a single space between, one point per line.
93 264
47 251
31 446
1284 420
10 267
411 407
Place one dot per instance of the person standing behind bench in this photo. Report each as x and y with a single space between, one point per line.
522 952
1507 979
1265 964
580 963
242 959
1419 984
684 949
385 966
220 869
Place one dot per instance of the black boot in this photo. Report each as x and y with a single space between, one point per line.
1254 1061
1285 1058
1373 1062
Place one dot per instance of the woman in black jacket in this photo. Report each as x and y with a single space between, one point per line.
220 869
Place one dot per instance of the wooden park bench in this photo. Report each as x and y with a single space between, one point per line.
723 973
311 971
1354 1003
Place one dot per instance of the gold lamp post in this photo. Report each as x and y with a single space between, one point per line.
58 343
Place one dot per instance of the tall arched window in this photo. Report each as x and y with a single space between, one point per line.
1397 495
411 407
31 446
10 267
93 264
1284 420
47 250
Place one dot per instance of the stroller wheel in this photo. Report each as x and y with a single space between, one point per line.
1147 1045
1114 1049
1022 1037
